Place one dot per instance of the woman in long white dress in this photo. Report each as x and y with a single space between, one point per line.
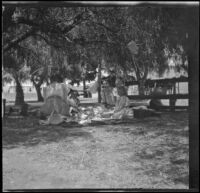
56 98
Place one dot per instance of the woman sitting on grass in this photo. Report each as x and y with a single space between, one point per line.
122 104
56 99
107 94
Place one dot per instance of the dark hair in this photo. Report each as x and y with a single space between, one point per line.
56 78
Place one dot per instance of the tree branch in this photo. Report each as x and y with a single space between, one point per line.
35 26
46 40
44 27
106 27
76 21
16 40
102 25
98 42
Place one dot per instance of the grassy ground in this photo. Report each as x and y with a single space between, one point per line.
151 153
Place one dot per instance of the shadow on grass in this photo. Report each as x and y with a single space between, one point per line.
28 132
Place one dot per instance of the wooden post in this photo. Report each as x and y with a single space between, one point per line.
84 71
171 100
84 89
99 82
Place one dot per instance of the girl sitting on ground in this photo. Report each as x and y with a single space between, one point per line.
122 104
107 94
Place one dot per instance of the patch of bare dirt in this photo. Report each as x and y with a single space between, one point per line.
151 153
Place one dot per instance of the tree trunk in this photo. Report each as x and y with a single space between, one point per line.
84 88
99 83
19 98
141 80
141 86
39 95
38 89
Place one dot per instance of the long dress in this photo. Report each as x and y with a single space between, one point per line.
107 95
122 109
122 104
56 100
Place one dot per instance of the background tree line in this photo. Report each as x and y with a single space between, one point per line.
75 38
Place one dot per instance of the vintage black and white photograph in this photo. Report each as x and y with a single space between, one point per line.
99 95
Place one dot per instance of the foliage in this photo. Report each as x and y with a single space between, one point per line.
72 37
16 65
6 77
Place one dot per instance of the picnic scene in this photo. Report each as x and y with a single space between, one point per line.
96 96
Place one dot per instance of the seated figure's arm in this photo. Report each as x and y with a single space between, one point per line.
66 91
119 104
127 102
71 102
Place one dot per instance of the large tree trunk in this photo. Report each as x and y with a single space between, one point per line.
19 98
38 89
39 95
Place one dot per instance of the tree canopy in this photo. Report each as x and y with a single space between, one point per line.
70 37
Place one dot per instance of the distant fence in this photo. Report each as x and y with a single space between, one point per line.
163 81
169 84
27 96
166 96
